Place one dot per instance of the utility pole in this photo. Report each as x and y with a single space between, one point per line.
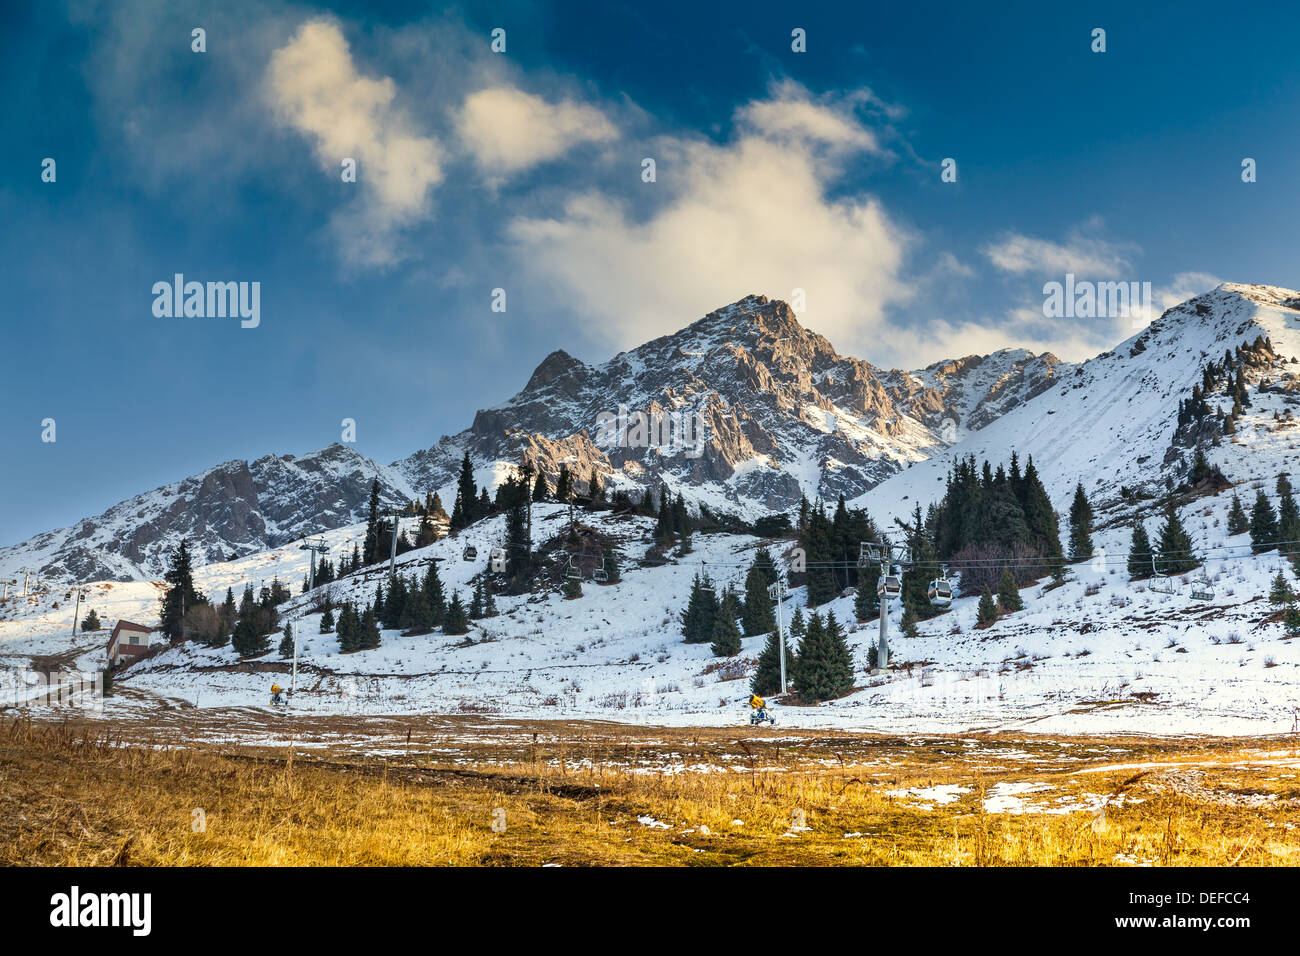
777 590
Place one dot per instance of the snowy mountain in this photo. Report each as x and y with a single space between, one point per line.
235 509
779 413
1111 421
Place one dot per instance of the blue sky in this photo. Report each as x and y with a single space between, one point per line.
775 170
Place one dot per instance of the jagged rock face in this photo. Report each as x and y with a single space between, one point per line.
235 508
776 413
745 410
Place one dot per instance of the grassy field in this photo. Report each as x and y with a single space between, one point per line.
244 789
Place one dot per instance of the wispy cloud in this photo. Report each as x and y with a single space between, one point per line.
316 89
1081 253
507 130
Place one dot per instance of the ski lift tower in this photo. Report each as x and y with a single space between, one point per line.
315 546
27 574
396 517
888 556
6 588
76 614
777 591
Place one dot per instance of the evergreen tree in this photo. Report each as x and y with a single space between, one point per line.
368 635
247 641
613 570
1263 525
825 669
1174 545
1280 592
767 677
571 589
327 622
866 602
455 621
758 617
1139 554
180 595
1291 620
1288 521
1238 523
432 588
540 489
286 642
564 484
91 621
908 623
798 627
1080 526
701 611
725 633
476 602
595 491
371 552
816 541
987 612
417 615
1008 594
466 504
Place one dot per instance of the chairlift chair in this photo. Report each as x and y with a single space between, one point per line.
1160 583
573 571
1202 589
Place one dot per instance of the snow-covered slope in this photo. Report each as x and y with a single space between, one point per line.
236 508
782 414
1120 659
1111 420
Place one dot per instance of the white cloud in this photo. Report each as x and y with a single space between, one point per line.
790 114
508 130
1080 254
315 88
751 216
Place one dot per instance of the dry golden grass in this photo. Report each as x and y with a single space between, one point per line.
71 795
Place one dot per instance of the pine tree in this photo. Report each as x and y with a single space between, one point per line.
987 611
1174 546
1080 526
825 669
432 588
1238 523
725 633
417 615
1139 554
816 541
595 490
1281 592
327 621
1291 620
767 677
286 642
613 570
758 617
701 611
1288 521
908 623
246 640
466 504
368 636
540 489
798 627
476 602
866 602
571 589
1263 525
180 595
371 551
564 484
91 621
1008 594
455 621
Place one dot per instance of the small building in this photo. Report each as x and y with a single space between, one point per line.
128 642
